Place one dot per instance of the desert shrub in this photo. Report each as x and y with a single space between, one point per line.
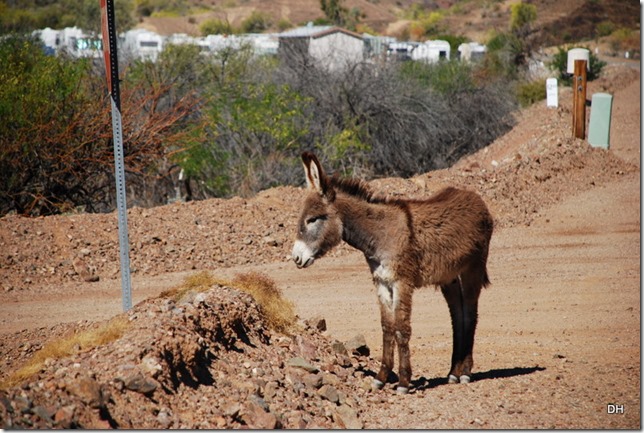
216 27
284 24
427 26
335 11
233 123
530 92
257 22
624 39
55 138
400 123
254 128
505 56
605 28
446 77
521 16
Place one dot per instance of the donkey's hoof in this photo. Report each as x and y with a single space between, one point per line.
452 379
465 379
376 385
402 390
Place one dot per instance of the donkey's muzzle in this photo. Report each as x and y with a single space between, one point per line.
302 255
303 264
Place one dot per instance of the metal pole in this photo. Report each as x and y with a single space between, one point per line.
112 71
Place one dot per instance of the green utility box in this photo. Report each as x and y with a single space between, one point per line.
599 128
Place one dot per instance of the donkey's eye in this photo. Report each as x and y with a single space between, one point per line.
315 219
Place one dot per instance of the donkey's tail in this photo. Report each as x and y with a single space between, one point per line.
486 279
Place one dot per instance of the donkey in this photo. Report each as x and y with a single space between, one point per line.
441 241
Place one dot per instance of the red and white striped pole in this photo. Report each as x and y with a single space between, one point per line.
112 72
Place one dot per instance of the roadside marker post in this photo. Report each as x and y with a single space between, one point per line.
112 71
579 100
578 65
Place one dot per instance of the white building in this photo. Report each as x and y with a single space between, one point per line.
333 48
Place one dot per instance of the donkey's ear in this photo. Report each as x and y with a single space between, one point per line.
316 179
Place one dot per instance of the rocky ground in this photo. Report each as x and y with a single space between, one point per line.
209 361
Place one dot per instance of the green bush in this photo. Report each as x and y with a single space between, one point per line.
530 92
559 64
446 77
257 22
216 27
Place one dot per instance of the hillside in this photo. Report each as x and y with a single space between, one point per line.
558 21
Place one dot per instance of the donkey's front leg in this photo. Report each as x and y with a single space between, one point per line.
403 335
387 322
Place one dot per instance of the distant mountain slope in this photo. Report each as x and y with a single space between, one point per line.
558 21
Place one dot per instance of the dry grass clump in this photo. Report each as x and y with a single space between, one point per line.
278 311
194 283
79 342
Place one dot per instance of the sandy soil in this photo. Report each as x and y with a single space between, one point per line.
558 339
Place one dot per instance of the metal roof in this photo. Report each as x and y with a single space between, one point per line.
311 31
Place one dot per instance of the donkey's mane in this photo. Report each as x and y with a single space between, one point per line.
357 188
360 189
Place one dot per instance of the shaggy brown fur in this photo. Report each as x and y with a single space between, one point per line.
441 241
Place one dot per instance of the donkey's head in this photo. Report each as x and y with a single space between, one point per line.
320 227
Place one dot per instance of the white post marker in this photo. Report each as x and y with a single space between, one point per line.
112 72
552 93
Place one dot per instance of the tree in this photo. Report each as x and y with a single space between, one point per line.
255 128
55 135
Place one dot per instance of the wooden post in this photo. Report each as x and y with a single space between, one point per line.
579 100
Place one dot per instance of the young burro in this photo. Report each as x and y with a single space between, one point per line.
441 241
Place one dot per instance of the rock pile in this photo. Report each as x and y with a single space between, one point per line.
205 361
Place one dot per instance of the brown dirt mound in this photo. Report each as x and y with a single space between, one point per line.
206 361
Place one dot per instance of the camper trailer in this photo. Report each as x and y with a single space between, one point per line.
142 44
431 51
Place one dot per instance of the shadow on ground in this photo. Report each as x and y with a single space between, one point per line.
423 383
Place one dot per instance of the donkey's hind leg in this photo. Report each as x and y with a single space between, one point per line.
454 297
471 283
462 296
